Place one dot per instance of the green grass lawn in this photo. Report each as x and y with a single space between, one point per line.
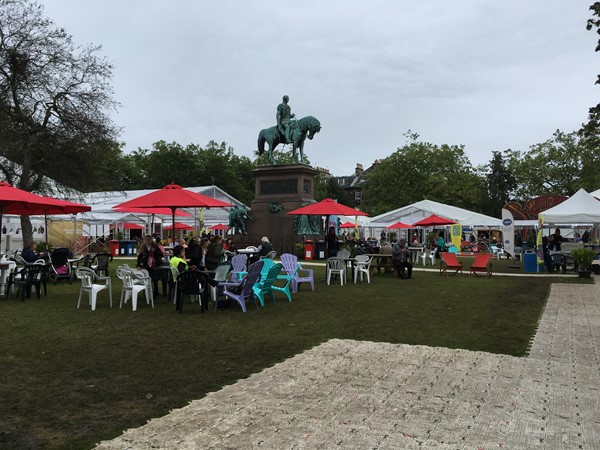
70 378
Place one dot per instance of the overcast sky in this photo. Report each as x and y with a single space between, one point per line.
488 74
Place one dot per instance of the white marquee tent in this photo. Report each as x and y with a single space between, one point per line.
419 210
581 208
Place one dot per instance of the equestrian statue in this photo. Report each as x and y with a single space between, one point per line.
288 131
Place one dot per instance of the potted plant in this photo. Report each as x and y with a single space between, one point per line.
584 258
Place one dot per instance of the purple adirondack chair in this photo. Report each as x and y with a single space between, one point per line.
290 264
238 267
247 285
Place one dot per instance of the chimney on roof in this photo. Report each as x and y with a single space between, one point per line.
359 169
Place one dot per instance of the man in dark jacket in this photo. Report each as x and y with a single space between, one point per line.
401 260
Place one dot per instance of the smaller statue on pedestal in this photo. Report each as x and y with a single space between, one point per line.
237 219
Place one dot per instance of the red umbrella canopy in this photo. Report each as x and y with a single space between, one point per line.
173 196
398 226
327 207
131 226
348 225
180 226
433 220
159 211
23 203
219 226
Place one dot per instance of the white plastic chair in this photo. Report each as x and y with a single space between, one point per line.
143 277
498 252
336 266
220 275
343 254
132 286
363 266
424 255
432 256
87 277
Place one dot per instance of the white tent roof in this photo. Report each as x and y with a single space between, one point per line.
419 210
102 202
581 208
596 193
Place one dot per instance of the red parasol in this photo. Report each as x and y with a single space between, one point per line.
173 196
180 226
219 227
23 203
398 226
432 221
131 226
327 207
156 211
349 225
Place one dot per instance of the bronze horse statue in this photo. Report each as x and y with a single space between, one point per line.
301 129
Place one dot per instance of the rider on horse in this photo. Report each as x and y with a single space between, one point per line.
285 120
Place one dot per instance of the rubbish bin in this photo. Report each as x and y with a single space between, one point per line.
113 246
530 263
122 248
320 250
128 246
309 249
134 248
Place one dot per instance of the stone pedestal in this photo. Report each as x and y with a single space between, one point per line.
288 186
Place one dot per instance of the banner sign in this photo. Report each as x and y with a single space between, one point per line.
508 232
456 233
539 242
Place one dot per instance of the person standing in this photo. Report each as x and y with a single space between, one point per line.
214 252
149 258
332 242
557 240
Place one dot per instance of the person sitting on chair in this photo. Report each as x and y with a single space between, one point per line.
385 262
29 253
265 247
401 259
178 259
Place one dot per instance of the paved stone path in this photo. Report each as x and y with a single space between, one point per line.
363 395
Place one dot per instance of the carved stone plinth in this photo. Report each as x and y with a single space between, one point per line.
288 186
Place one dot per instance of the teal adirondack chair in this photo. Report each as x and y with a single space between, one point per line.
289 277
264 287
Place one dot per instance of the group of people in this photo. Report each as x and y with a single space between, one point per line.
204 254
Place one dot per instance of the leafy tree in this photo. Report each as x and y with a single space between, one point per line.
501 183
590 131
559 166
191 166
54 103
328 187
421 170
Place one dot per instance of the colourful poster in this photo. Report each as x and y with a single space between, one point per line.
456 233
